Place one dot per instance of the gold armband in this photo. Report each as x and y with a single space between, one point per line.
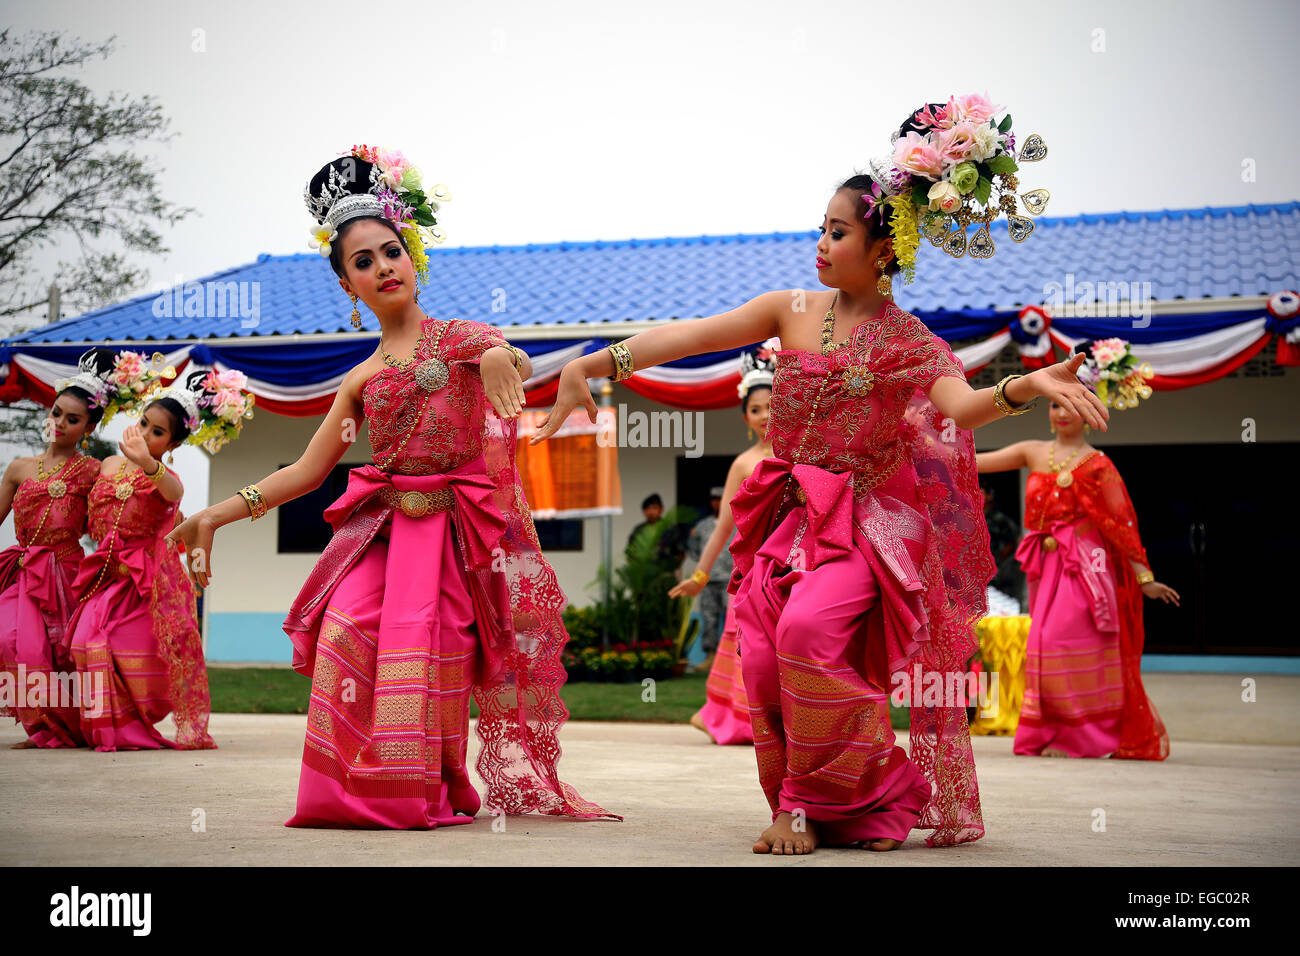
622 361
252 496
1004 406
1146 577
700 577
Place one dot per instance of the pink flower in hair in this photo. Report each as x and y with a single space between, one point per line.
916 155
875 201
940 118
955 144
974 108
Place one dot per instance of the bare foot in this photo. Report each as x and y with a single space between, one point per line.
22 745
698 723
884 844
783 838
1054 752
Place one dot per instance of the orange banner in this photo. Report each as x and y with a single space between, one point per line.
574 473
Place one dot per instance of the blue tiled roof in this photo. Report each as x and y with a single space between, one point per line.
1184 254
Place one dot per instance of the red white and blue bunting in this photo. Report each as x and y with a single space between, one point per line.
300 379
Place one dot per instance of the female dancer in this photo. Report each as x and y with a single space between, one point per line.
861 548
48 493
134 633
433 583
1087 572
725 714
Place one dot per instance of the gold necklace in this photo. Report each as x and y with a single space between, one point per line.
406 363
58 487
858 378
1063 478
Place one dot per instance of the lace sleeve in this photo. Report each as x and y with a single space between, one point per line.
919 358
471 343
1103 496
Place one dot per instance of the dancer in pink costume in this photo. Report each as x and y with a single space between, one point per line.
433 586
134 634
1087 574
725 714
861 550
47 494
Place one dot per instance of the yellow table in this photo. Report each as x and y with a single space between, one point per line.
1002 646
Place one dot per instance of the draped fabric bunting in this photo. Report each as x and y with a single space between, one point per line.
300 379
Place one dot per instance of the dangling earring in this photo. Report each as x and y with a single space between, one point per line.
171 457
750 429
85 443
356 315
1087 427
884 284
417 293
1052 426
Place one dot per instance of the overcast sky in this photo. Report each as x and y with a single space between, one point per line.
573 120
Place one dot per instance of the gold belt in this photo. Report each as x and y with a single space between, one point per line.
417 504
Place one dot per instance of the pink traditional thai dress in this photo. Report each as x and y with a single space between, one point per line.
725 713
36 598
432 588
1083 667
135 631
862 556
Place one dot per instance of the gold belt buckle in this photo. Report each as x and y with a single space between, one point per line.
124 569
800 494
417 504
1049 543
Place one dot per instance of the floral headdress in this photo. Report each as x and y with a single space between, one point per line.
215 407
1114 373
123 388
758 368
394 190
954 168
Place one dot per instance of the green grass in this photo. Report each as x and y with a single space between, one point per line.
271 690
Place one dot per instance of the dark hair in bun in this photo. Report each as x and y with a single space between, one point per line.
179 416
347 174
103 359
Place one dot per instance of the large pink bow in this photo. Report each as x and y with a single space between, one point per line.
357 517
828 499
1077 558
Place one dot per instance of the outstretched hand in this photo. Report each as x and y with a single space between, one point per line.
573 391
195 534
1060 383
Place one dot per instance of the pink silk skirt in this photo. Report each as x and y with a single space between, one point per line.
115 651
822 733
388 720
1074 686
33 628
725 713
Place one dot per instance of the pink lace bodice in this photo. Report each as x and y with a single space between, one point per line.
844 411
66 518
143 514
418 432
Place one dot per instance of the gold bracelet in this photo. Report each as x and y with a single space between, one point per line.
1004 406
252 496
158 475
519 360
700 576
1146 577
622 361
